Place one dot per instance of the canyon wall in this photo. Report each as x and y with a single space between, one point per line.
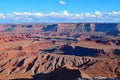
109 28
118 27
66 28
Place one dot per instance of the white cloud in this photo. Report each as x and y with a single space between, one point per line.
27 14
52 14
98 14
88 14
23 15
114 13
62 2
2 16
63 15
78 16
38 15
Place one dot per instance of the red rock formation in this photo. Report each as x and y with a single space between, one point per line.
13 37
2 28
66 28
118 27
21 60
17 65
92 26
83 27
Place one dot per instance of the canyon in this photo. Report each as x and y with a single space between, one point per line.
60 51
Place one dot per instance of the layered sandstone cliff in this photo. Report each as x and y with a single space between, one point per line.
61 27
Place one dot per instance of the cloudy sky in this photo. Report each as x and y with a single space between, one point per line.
59 11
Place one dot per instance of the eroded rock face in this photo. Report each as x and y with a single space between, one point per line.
54 66
13 37
118 27
61 28
83 27
66 28
2 28
92 26
82 51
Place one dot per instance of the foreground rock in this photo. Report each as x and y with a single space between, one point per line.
56 66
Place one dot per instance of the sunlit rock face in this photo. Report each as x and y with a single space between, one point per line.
92 26
83 27
88 27
61 27
118 27
66 28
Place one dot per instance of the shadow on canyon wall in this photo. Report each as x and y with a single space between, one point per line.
58 74
77 50
82 51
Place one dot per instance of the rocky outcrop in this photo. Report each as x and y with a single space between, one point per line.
81 51
50 28
118 27
2 28
13 37
54 66
92 26
66 28
88 27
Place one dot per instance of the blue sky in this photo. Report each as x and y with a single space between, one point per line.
59 11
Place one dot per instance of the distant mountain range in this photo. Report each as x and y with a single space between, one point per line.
108 28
